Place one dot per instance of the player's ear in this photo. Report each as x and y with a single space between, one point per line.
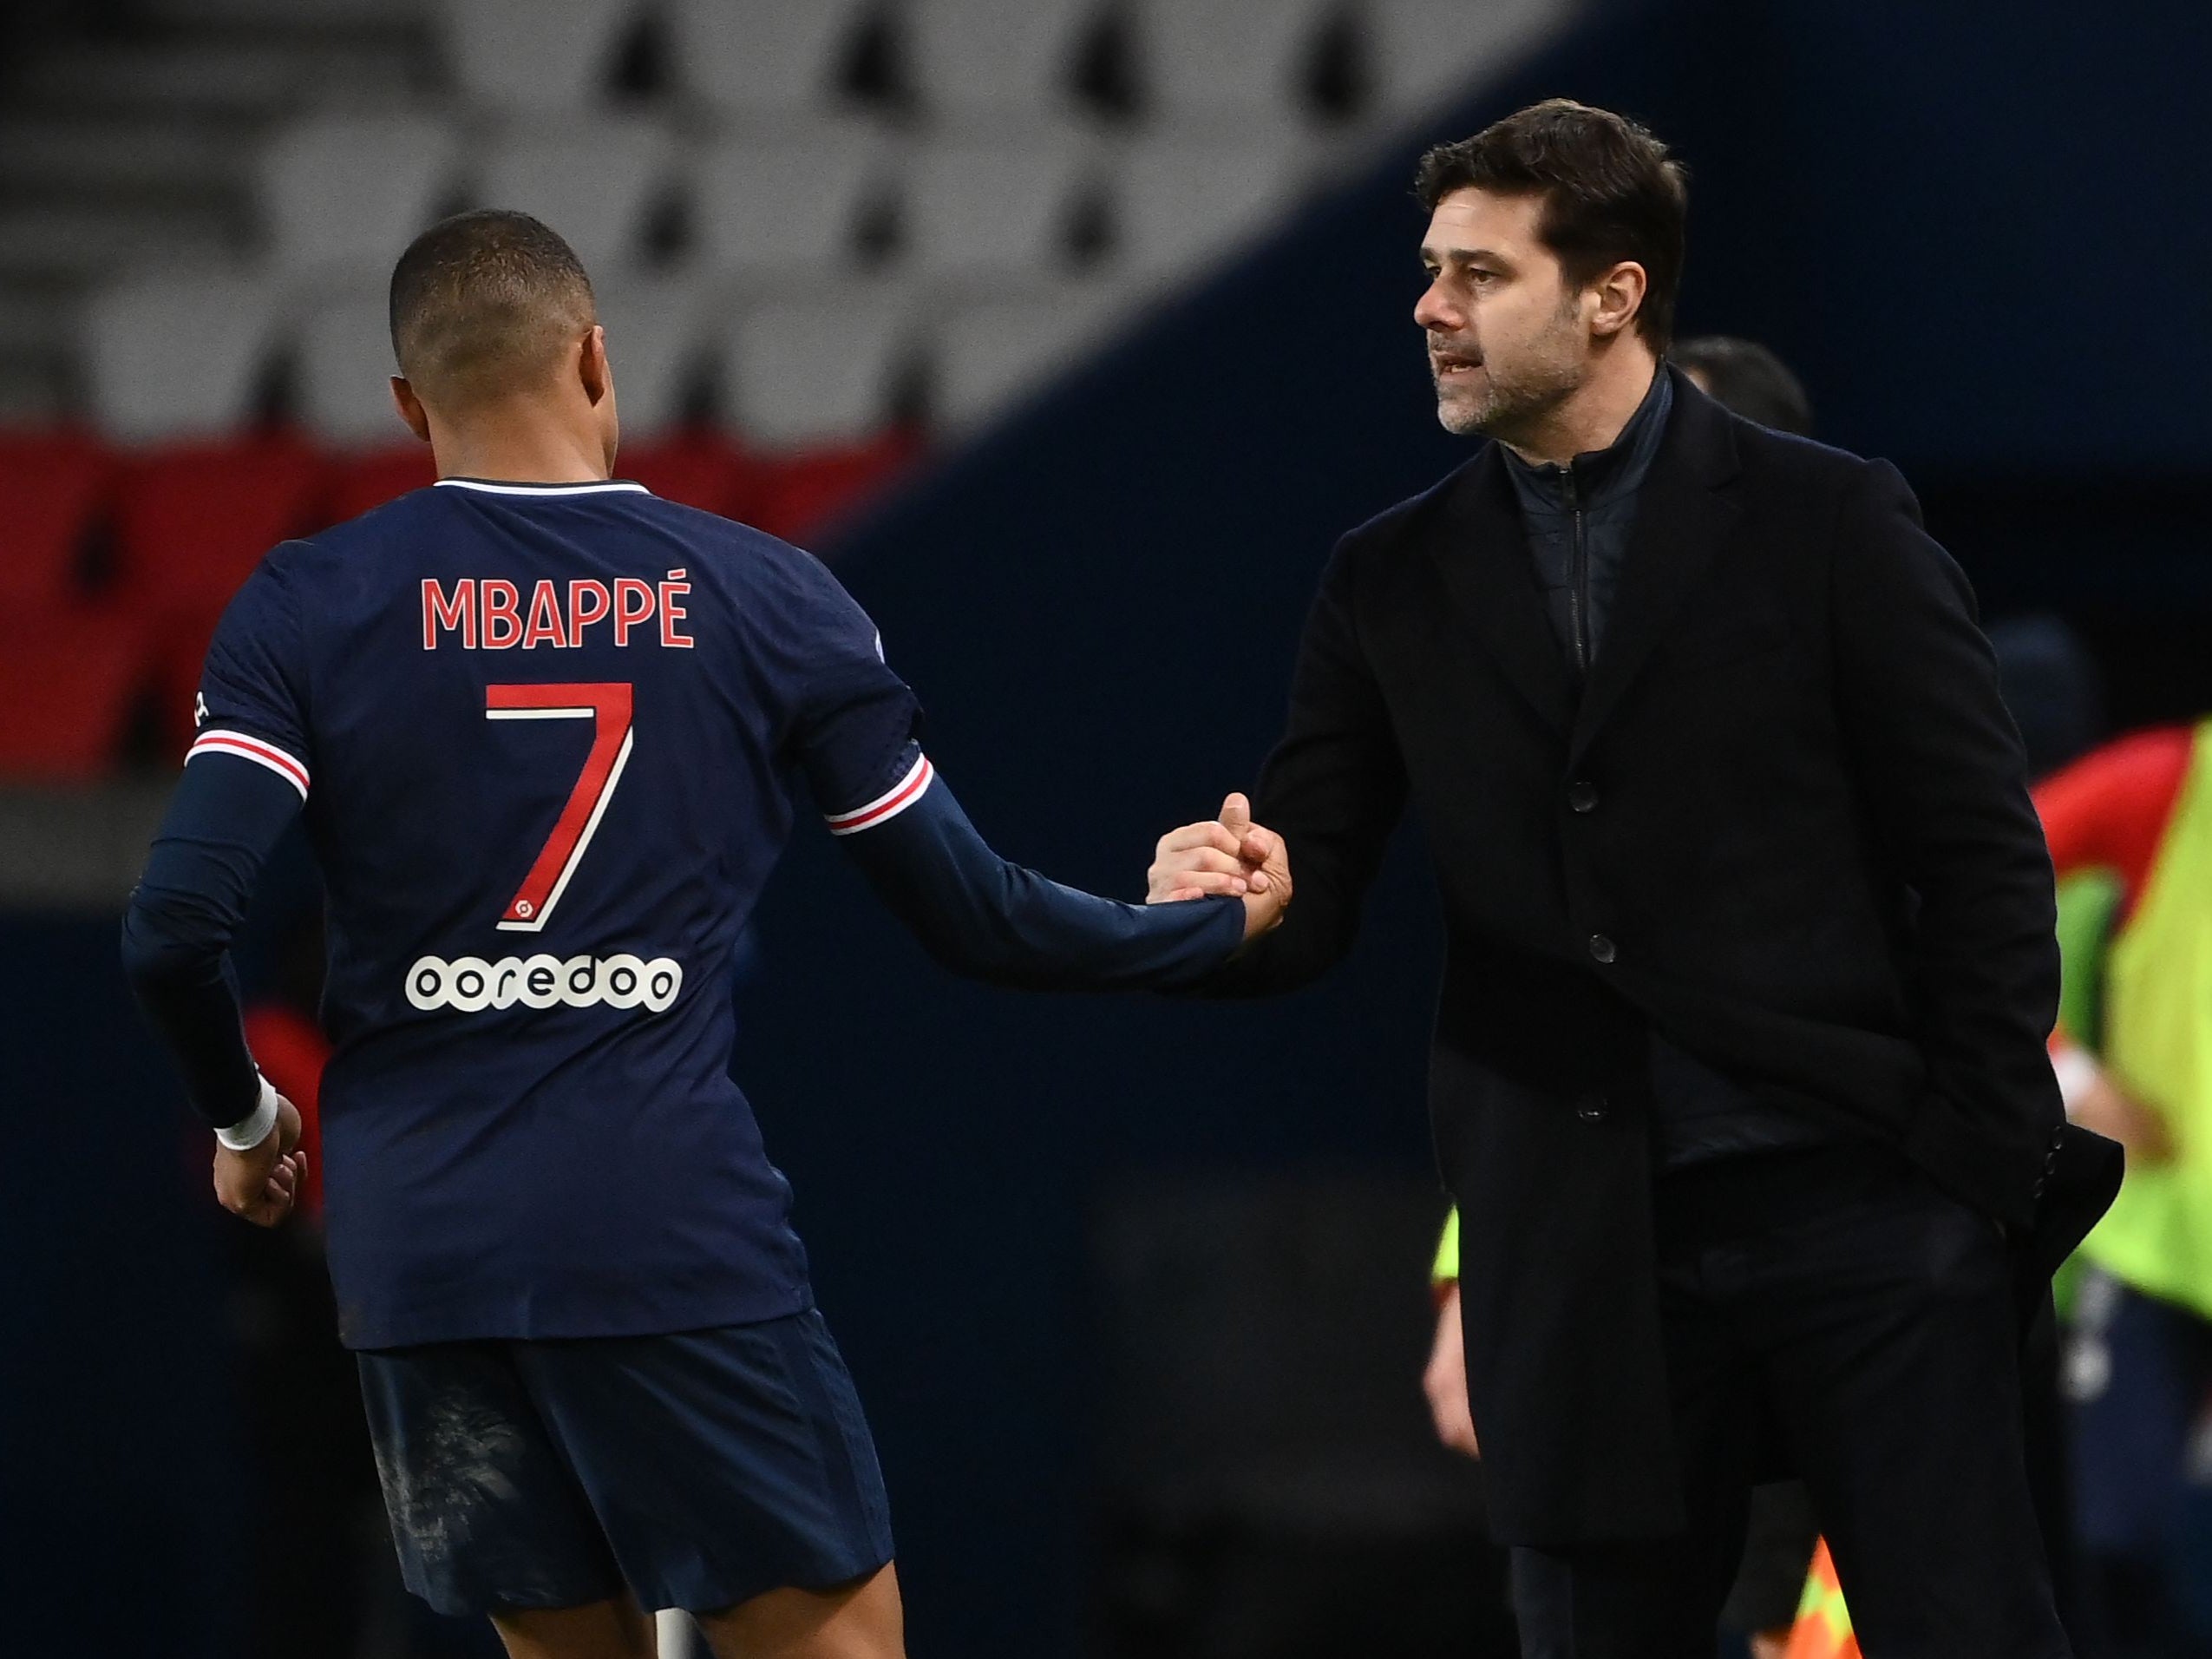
410 408
592 367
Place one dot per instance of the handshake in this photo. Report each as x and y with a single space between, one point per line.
1229 855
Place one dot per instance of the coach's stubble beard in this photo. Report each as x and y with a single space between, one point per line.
1519 389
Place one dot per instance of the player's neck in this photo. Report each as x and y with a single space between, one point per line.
520 448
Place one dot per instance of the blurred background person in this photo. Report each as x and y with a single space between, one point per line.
2130 831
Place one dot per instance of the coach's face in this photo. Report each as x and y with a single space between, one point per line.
1506 337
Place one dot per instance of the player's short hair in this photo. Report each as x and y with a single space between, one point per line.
1611 192
1744 377
483 302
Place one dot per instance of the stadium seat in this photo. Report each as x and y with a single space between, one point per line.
598 181
1181 200
1220 60
825 370
996 211
367 478
1421 52
342 368
786 206
652 332
55 485
990 353
756 59
700 469
67 691
987 60
545 54
342 193
192 521
169 357
806 495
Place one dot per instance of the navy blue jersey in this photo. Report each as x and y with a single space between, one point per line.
546 736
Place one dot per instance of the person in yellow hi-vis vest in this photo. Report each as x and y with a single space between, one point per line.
2136 1063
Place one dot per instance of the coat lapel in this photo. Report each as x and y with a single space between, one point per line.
1682 517
1482 554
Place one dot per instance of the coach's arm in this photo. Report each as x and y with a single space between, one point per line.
1942 778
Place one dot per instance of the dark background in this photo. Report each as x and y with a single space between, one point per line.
1978 232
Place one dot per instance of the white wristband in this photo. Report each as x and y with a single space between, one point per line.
249 1133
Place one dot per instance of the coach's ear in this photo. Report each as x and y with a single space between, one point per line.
410 408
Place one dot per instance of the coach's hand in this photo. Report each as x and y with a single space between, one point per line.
1445 1382
263 1183
1230 855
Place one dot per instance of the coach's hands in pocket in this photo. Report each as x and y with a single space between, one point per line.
1230 855
263 1183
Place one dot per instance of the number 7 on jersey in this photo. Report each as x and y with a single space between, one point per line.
607 706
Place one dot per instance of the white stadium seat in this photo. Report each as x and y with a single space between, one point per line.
825 368
177 357
993 210
1421 52
595 180
991 59
342 368
1223 59
653 339
1180 201
990 354
784 206
750 59
533 54
342 191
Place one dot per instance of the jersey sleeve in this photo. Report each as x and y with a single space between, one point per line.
252 700
857 730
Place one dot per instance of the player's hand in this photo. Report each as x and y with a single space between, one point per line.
2113 1112
1230 855
263 1183
1445 1382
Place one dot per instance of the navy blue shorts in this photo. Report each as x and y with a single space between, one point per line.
698 1470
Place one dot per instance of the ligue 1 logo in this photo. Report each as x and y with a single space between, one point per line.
470 984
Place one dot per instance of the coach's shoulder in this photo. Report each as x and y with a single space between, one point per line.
1785 460
1400 530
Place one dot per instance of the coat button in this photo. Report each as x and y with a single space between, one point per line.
1591 1109
1602 948
1582 796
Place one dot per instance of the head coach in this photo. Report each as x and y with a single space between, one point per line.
1739 1074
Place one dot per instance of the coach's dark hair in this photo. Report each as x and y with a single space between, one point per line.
1743 375
482 302
1611 192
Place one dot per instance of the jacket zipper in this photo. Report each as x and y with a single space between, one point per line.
1578 593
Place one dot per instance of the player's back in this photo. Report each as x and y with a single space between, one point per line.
546 734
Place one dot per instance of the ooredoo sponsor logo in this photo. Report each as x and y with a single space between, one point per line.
471 984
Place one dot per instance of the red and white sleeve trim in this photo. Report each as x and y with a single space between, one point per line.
887 805
261 753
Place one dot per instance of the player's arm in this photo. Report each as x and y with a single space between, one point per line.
226 818
245 782
853 732
984 917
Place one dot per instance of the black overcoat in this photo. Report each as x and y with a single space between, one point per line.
1785 821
